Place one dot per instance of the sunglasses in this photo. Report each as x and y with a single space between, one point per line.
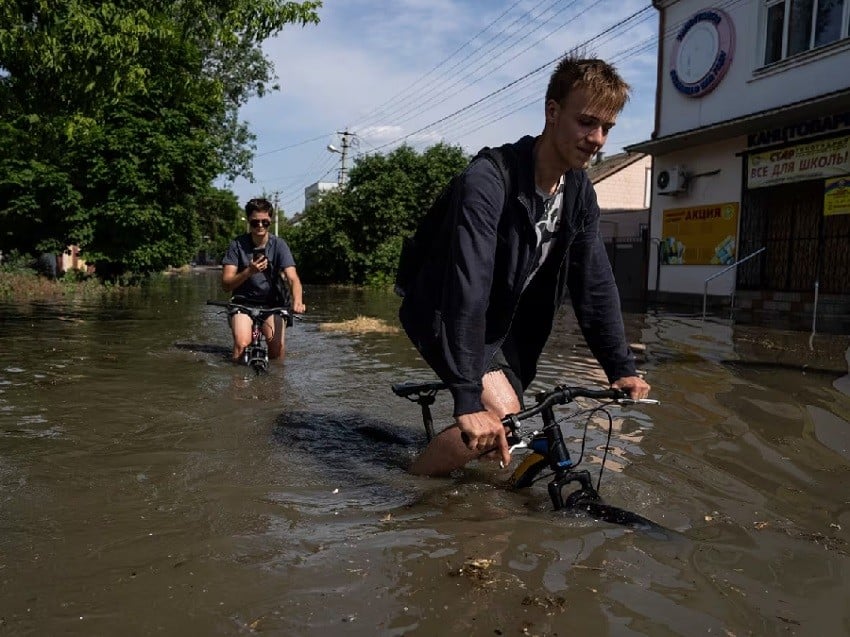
256 223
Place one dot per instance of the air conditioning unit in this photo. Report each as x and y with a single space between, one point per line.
671 181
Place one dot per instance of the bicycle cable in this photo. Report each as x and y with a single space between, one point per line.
590 413
573 416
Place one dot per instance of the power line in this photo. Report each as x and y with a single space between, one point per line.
512 83
519 94
295 145
496 111
378 110
438 89
496 63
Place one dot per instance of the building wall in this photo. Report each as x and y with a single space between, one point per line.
314 190
720 182
717 166
626 189
70 259
748 87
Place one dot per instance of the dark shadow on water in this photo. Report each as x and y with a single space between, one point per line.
363 457
371 455
343 439
204 348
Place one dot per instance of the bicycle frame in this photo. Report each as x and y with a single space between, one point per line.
256 355
554 449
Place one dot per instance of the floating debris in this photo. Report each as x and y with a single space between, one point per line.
360 325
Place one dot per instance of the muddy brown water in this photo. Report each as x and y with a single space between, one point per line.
148 486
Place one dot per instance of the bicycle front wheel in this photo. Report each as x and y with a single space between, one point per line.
528 470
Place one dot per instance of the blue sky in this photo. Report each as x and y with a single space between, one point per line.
471 73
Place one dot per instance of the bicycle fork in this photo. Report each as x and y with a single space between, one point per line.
561 464
256 355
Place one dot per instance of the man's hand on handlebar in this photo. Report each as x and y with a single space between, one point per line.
483 432
635 386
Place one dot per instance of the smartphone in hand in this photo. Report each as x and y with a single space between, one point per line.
258 254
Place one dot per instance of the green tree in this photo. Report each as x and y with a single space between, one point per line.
355 235
321 243
115 118
221 218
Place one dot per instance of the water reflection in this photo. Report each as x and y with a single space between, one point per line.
140 469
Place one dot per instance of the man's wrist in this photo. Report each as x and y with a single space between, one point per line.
467 400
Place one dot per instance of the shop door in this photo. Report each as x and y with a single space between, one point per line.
802 245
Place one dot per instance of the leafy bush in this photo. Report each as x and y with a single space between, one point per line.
355 235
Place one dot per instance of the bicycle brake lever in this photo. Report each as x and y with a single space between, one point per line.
639 401
522 444
519 445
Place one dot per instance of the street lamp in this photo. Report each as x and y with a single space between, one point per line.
344 153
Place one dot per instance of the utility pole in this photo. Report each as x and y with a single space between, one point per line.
276 212
346 144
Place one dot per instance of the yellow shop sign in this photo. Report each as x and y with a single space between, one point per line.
815 160
700 235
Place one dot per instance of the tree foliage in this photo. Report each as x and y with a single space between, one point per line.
115 118
221 218
354 235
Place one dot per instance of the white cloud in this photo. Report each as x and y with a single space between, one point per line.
392 71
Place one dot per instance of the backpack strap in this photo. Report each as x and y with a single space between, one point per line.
498 156
416 247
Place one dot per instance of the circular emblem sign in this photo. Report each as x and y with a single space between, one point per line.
703 52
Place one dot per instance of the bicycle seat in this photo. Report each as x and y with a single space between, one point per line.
410 387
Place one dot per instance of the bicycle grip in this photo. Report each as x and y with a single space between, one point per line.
465 438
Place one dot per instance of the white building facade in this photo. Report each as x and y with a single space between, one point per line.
751 152
623 183
315 190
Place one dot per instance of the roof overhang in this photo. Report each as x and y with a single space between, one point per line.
834 102
611 166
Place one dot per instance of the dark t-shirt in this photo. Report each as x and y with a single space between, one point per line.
240 253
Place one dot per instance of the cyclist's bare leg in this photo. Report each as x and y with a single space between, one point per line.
240 325
446 451
275 332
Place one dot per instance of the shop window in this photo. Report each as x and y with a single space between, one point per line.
796 26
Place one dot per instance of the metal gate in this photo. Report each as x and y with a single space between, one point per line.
803 245
628 256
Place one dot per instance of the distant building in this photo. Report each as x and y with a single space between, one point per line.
751 151
622 183
70 259
315 190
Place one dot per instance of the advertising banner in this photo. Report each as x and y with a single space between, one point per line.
836 196
816 160
700 235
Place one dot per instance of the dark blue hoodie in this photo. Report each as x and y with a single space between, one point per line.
468 301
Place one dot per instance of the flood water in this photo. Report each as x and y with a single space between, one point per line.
148 486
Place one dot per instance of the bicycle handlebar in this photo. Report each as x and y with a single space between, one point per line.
255 310
562 395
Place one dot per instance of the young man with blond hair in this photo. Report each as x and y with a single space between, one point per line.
522 236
